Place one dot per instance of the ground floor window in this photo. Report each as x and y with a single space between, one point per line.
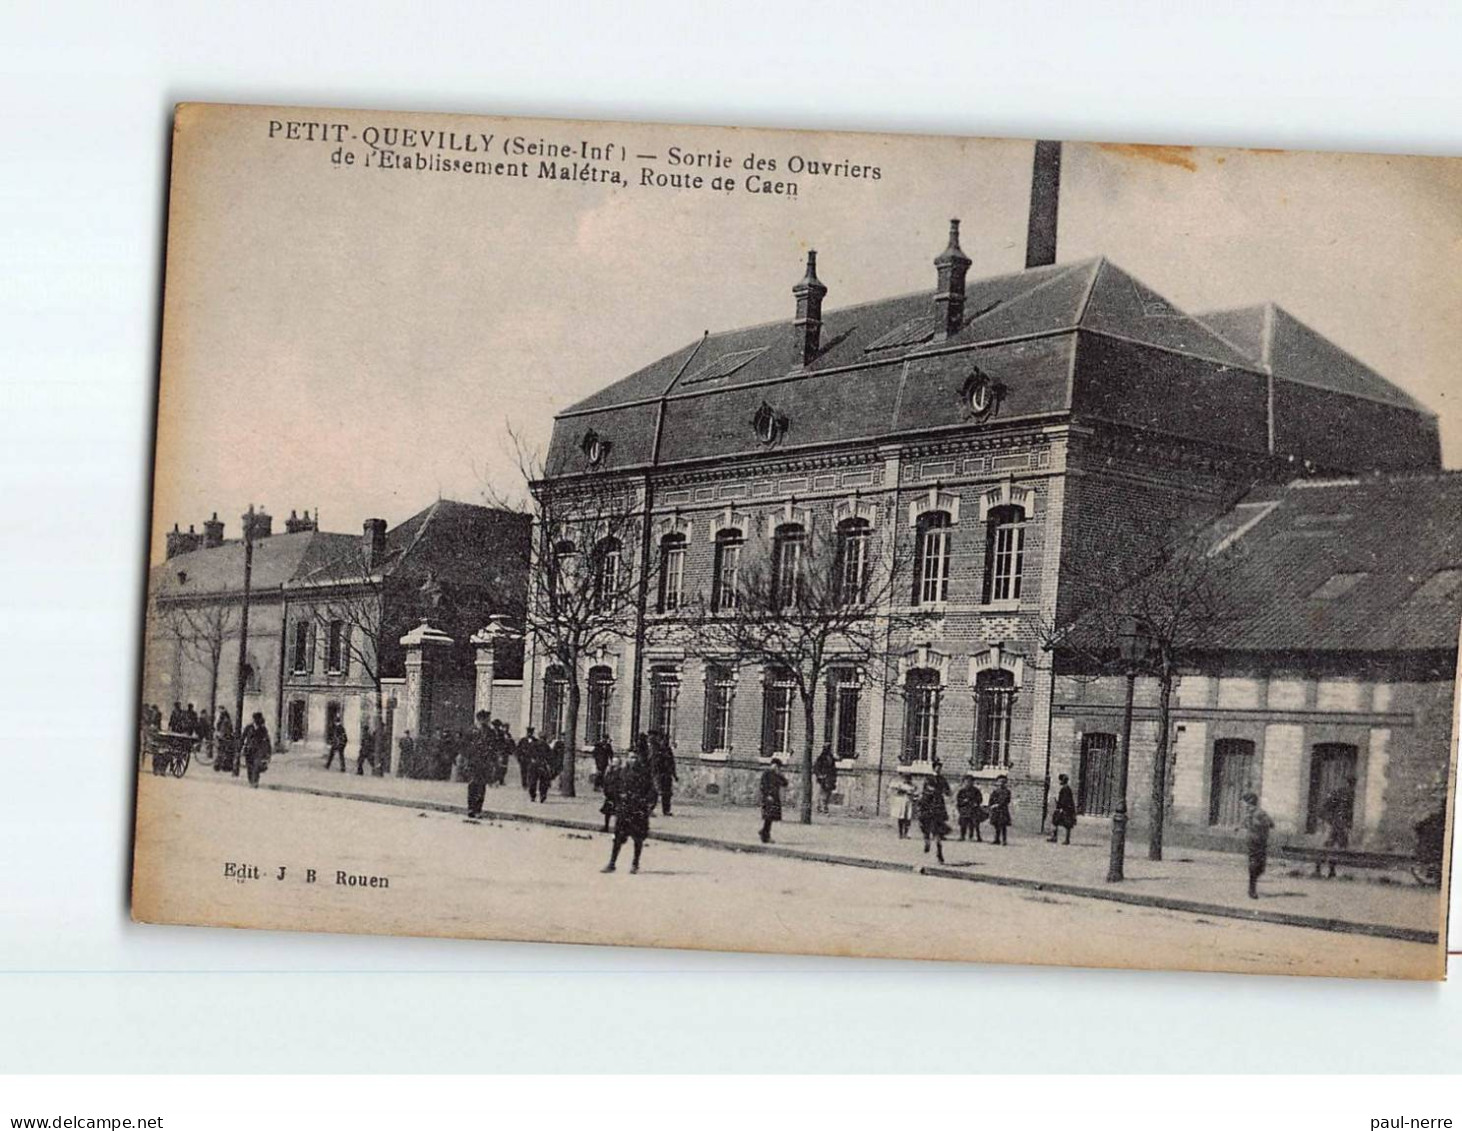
1097 775
921 715
720 695
1332 770
555 696
994 707
1233 776
776 729
664 697
601 688
298 720
841 725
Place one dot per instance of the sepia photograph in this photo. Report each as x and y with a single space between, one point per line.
876 545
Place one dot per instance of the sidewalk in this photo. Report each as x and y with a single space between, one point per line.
1190 880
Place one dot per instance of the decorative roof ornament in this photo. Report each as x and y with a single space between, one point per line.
980 395
769 424
595 448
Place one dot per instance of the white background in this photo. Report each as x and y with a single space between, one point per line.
87 90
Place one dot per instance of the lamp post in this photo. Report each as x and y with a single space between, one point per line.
243 640
1134 650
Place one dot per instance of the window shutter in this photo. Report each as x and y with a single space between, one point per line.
345 650
310 650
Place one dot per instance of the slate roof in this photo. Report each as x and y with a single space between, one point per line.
458 543
220 569
1278 342
1365 565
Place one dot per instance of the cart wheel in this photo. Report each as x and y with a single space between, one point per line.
180 764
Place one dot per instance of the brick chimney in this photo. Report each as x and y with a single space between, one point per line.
373 542
212 533
297 523
1040 237
257 524
181 542
807 326
949 297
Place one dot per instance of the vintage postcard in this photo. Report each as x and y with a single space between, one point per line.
852 544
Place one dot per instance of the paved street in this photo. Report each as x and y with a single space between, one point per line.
520 880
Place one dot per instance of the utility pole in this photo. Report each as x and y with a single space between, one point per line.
243 639
1134 644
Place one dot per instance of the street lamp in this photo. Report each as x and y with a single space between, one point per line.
1134 639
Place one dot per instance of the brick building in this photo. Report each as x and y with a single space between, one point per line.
994 432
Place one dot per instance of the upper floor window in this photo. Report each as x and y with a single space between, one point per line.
851 567
1004 554
788 544
672 572
301 646
727 571
994 703
563 564
608 564
335 647
931 558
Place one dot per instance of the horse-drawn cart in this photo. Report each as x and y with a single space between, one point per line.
171 753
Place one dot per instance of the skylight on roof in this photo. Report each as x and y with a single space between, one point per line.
1440 586
1337 585
723 366
910 333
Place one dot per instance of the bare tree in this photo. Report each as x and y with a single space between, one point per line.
1179 596
813 599
201 631
588 571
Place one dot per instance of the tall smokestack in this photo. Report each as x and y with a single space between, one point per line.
1040 236
807 325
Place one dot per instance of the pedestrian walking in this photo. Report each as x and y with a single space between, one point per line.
1064 816
526 746
550 765
825 771
1000 803
177 720
478 765
190 721
969 803
256 748
662 763
772 784
603 755
367 752
634 801
611 785
903 803
502 752
1256 826
223 735
934 811
336 740
1337 811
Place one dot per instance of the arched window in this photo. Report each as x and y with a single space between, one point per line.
921 715
851 568
555 696
1004 553
994 705
726 577
778 693
931 558
601 688
672 572
562 564
720 695
788 544
608 563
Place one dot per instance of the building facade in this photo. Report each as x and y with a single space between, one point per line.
996 440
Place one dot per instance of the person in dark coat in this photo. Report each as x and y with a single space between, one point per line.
613 777
825 771
1000 801
478 765
662 764
603 755
1064 816
502 752
550 761
367 752
772 783
525 757
634 801
190 720
934 811
255 748
969 803
1338 812
1256 826
177 720
337 740
224 741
